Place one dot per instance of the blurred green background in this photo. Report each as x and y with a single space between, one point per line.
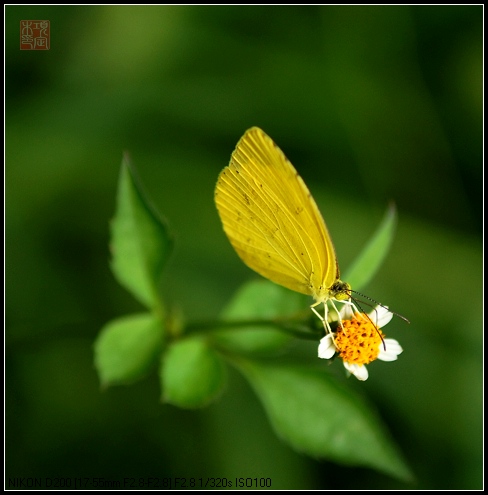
370 104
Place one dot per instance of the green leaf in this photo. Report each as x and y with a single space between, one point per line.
192 374
140 242
127 348
371 257
258 300
316 416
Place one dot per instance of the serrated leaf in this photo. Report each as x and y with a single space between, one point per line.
257 300
140 242
192 374
316 416
373 254
127 348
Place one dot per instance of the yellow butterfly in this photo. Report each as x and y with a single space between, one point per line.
274 224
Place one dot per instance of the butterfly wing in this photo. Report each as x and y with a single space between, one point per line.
271 219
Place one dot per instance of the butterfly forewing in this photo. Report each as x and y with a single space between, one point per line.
271 219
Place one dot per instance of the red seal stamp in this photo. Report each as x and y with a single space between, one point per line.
35 35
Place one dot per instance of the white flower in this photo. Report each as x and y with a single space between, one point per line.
359 341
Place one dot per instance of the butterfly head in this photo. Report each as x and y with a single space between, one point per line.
340 291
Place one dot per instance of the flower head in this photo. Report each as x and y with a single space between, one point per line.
358 341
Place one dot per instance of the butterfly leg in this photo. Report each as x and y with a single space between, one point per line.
323 319
353 309
339 318
351 305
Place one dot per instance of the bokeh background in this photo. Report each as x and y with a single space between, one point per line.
371 104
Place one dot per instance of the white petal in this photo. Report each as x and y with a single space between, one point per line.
327 346
359 371
381 316
346 312
393 349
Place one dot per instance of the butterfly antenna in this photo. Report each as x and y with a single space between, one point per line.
378 304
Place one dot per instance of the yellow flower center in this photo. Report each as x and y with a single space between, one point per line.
359 341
